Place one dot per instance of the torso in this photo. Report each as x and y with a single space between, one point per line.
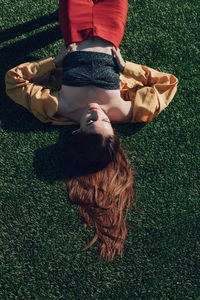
72 99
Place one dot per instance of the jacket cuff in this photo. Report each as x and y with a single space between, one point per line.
46 65
133 70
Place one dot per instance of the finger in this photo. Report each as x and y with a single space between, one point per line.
69 48
73 46
118 50
114 52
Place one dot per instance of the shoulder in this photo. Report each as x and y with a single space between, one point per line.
120 111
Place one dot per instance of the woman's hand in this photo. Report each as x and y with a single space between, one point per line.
59 58
119 58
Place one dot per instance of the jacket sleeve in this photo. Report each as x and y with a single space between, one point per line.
22 88
151 93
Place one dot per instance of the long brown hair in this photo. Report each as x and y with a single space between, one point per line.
101 183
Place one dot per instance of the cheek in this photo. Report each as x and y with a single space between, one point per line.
108 129
82 120
83 124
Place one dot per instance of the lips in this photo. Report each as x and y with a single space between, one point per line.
92 108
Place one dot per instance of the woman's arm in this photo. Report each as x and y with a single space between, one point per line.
27 85
19 81
155 93
150 90
58 60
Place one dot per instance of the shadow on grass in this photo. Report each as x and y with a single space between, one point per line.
13 32
15 117
29 44
49 163
17 52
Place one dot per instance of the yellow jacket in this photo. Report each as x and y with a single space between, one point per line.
35 86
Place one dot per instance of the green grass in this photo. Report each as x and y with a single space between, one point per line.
41 231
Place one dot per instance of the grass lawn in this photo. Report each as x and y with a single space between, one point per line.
41 231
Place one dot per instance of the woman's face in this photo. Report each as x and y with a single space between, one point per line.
94 120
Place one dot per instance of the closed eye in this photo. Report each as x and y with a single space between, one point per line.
106 120
91 121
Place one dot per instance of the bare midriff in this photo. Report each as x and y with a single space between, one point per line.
73 99
95 44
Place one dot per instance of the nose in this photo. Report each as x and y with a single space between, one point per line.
95 114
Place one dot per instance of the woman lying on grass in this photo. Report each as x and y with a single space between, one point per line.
90 84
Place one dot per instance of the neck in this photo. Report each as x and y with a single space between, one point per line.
119 111
76 114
